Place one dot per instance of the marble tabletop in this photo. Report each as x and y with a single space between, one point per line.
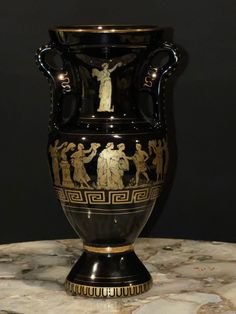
188 277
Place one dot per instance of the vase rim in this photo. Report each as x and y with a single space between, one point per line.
106 28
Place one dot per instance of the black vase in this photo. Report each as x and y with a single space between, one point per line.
108 148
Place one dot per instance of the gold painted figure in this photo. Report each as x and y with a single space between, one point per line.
54 152
158 160
104 171
65 166
139 158
111 166
105 88
123 163
78 159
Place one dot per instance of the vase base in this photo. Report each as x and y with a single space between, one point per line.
106 292
110 275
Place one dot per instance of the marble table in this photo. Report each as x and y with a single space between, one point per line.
188 277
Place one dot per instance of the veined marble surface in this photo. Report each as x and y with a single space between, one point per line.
188 277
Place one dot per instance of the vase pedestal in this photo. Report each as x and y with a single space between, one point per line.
110 275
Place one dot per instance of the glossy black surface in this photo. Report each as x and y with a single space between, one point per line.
94 36
134 86
106 224
109 270
108 216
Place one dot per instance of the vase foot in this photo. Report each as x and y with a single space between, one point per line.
106 292
110 275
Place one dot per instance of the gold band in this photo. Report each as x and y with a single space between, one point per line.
106 292
108 249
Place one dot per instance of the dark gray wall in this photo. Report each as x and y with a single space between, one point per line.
201 204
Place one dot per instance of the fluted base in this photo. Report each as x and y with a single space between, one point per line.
106 292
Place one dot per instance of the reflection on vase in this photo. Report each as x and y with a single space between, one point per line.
166 151
158 160
65 166
105 88
78 159
139 158
54 152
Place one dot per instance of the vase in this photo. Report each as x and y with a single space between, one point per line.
108 146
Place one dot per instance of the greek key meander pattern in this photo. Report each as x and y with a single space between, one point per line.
109 292
137 195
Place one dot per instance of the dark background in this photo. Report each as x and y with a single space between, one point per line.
201 204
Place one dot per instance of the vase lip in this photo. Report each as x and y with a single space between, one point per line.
106 28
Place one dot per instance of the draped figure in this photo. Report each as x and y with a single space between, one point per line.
105 87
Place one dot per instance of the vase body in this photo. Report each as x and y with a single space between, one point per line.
108 147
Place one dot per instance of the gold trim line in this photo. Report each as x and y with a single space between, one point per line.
105 29
108 249
106 292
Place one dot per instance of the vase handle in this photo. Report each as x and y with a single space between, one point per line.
155 77
59 81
